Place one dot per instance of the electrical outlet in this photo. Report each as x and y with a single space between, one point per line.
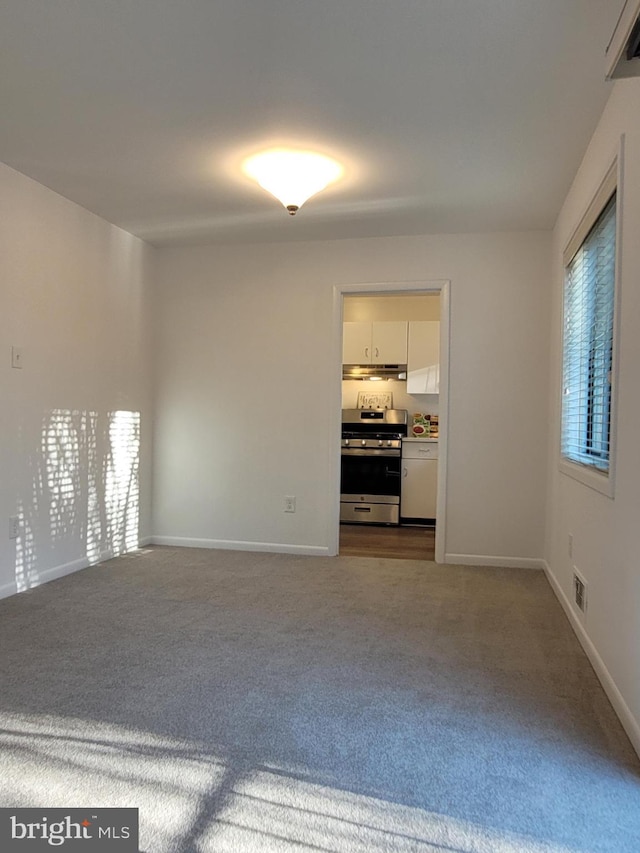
289 503
14 527
570 545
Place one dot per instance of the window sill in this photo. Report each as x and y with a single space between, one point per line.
588 476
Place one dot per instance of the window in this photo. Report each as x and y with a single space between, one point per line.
588 341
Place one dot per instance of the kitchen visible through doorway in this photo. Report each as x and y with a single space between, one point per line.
383 315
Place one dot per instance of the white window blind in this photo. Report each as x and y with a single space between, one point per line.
589 302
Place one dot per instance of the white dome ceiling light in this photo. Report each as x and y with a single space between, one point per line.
292 176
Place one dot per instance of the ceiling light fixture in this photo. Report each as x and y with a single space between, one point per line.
292 176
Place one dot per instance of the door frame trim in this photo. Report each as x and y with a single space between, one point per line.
442 286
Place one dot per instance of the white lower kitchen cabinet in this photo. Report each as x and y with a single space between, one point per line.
419 483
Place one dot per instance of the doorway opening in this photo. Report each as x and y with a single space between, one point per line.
419 310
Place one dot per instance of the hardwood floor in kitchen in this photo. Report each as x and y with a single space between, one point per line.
397 543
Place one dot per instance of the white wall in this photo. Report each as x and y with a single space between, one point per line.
605 531
245 354
73 296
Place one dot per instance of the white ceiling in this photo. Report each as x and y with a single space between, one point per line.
449 115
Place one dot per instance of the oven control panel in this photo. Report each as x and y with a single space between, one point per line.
372 442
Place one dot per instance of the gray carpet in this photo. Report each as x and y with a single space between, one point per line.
253 702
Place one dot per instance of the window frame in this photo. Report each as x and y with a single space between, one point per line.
588 474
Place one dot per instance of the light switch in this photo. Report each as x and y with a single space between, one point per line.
16 357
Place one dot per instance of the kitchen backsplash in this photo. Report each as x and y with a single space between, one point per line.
427 403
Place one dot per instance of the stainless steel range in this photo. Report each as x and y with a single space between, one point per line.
370 465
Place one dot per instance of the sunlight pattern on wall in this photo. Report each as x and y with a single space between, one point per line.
94 509
122 483
61 442
85 492
26 573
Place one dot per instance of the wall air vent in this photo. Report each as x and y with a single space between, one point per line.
623 51
579 591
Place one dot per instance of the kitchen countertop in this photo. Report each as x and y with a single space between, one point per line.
420 438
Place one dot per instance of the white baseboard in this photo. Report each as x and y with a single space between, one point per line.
486 560
240 545
60 571
55 572
110 554
629 722
44 576
8 589
107 554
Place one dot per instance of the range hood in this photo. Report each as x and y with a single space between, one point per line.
374 371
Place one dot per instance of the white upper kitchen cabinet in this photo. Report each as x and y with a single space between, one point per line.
423 362
356 343
374 343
